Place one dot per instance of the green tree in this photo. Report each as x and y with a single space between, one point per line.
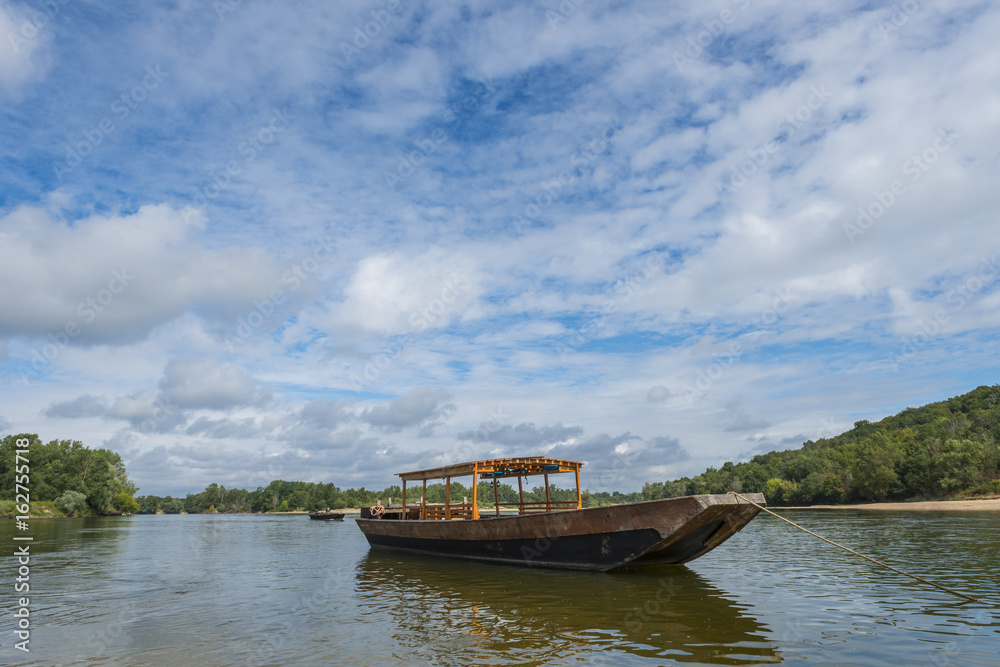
821 487
172 505
72 503
960 465
781 491
874 469
67 465
149 504
125 503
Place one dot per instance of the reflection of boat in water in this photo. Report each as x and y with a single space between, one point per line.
327 516
553 533
528 616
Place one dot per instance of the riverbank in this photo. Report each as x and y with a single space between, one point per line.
36 510
987 504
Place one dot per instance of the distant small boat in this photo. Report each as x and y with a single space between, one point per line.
327 516
553 533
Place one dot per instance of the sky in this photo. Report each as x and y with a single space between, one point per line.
243 241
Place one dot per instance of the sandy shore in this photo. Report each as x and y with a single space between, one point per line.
927 506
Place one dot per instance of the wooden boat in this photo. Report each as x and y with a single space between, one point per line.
553 533
326 515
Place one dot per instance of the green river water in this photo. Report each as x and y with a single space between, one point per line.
284 590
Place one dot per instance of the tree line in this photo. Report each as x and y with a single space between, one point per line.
80 481
948 448
76 479
284 496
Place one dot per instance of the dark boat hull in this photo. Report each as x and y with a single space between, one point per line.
327 516
675 530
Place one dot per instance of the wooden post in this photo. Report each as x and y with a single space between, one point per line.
579 495
447 498
475 493
496 496
423 502
548 500
404 497
520 495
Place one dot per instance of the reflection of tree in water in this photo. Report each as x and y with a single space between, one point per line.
452 612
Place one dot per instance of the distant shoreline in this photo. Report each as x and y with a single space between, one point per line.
986 504
982 504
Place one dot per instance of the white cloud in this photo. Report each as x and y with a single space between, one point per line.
392 294
423 407
200 383
522 438
736 418
24 31
658 394
407 89
113 279
86 405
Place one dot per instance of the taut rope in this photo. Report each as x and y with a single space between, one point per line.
912 576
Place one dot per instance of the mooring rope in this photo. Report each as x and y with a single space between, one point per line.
912 576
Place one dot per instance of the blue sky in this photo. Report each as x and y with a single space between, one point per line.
332 242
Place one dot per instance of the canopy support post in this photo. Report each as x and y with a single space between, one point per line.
447 498
520 495
548 500
475 493
579 496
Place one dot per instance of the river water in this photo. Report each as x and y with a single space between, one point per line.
284 590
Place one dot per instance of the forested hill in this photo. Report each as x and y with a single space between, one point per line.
943 449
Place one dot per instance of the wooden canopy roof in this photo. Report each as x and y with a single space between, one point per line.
496 468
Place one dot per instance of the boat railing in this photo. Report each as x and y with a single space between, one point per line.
440 511
531 507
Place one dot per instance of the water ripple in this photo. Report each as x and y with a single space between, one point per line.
258 590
